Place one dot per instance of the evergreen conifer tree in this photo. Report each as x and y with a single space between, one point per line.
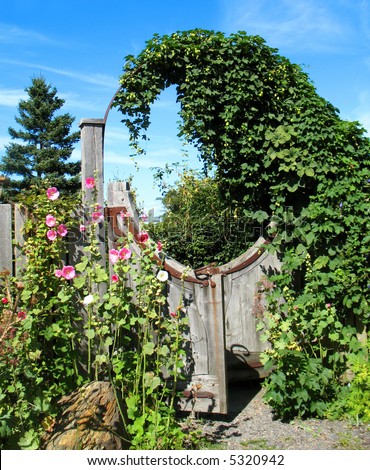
47 143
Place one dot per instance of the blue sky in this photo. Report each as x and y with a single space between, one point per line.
79 47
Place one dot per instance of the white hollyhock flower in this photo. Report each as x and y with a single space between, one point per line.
89 299
162 276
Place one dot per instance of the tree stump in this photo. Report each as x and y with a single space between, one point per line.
90 421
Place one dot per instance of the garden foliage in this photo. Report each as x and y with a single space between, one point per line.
198 228
66 323
283 153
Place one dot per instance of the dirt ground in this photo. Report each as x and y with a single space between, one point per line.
250 424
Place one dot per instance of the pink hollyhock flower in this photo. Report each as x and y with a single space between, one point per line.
51 235
124 214
58 273
113 256
50 220
142 237
52 193
21 315
328 305
173 314
114 278
62 230
159 246
4 301
90 183
68 272
97 217
82 228
144 217
124 253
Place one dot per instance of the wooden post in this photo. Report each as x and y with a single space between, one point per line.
92 165
92 155
6 251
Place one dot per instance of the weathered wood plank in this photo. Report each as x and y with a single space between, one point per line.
210 305
205 389
244 305
20 218
6 251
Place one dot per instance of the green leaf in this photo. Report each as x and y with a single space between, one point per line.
101 359
81 267
148 348
310 172
101 274
300 249
29 441
79 282
132 406
63 296
41 405
334 336
320 262
164 350
151 380
90 334
260 216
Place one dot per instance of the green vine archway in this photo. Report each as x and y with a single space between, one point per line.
246 109
283 153
279 149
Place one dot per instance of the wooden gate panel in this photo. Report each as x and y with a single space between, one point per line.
205 386
243 306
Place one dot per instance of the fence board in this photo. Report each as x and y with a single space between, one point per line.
19 222
6 250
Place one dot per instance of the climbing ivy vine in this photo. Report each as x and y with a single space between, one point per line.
284 154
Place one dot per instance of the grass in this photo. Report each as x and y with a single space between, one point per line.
257 444
347 441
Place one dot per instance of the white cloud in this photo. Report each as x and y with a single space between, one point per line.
75 102
155 159
166 104
116 134
11 34
103 80
9 97
302 24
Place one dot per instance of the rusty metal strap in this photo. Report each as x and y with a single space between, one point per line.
111 213
211 270
197 394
